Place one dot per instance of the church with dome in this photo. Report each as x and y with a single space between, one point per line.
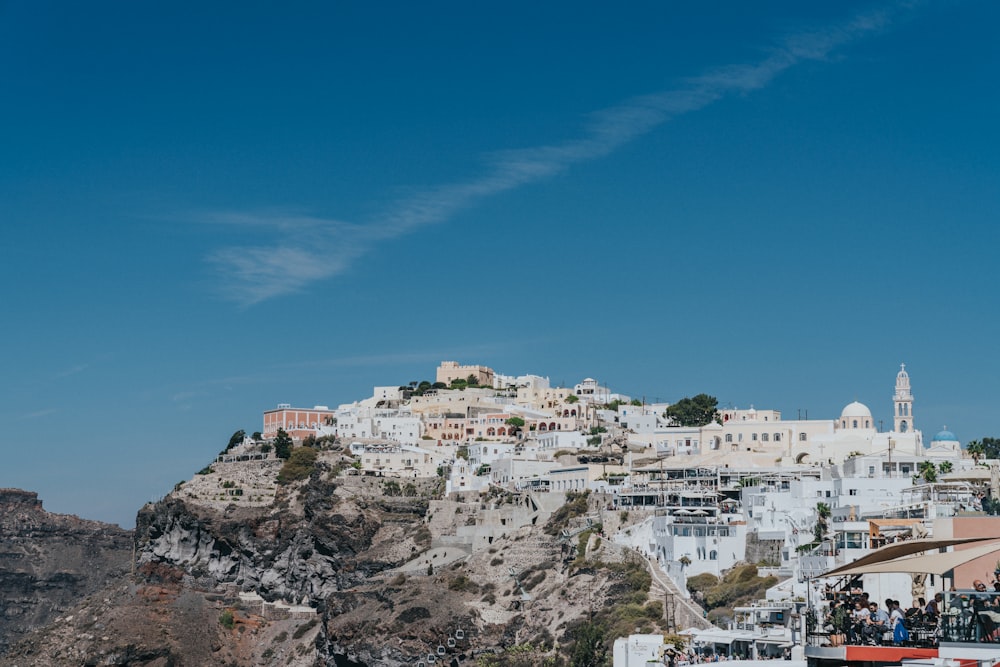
758 437
855 431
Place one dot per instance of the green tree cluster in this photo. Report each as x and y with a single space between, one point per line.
694 411
282 444
299 465
741 585
236 439
987 448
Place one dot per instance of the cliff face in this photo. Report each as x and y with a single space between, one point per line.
307 546
343 570
48 562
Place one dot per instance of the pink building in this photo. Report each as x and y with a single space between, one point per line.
297 422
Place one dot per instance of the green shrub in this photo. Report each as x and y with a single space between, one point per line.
739 586
300 464
226 619
463 583
576 505
304 628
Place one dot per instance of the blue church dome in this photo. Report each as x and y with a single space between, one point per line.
945 436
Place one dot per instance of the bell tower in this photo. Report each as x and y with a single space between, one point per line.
903 403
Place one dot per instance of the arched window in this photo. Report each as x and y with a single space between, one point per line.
777 437
902 426
729 437
802 437
763 437
855 423
713 555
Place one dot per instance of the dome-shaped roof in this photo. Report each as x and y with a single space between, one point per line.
945 436
856 409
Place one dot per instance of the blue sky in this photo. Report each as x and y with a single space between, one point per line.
210 210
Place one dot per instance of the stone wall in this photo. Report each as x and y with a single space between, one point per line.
759 550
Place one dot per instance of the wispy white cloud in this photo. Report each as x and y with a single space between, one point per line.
79 368
314 249
38 414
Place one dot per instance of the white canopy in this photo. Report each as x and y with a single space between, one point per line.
931 563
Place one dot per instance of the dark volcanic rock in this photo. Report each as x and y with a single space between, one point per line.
280 554
48 562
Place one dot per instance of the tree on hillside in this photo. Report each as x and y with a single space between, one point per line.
236 439
588 649
282 444
991 448
975 450
823 513
516 424
696 411
299 465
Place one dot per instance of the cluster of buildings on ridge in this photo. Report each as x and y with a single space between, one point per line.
413 434
748 488
708 489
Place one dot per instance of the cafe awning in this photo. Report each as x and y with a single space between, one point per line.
930 563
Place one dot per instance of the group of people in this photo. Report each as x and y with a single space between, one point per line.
969 616
860 620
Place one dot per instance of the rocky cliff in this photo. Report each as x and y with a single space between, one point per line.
48 562
347 570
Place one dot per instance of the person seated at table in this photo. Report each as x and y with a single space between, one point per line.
900 634
878 624
984 605
859 620
915 611
933 608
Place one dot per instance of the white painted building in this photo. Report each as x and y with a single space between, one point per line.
553 441
638 651
514 473
397 460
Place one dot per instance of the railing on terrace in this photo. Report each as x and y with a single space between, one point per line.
966 616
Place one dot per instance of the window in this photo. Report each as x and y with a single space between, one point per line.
802 437
777 437
763 437
854 423
729 437
753 436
